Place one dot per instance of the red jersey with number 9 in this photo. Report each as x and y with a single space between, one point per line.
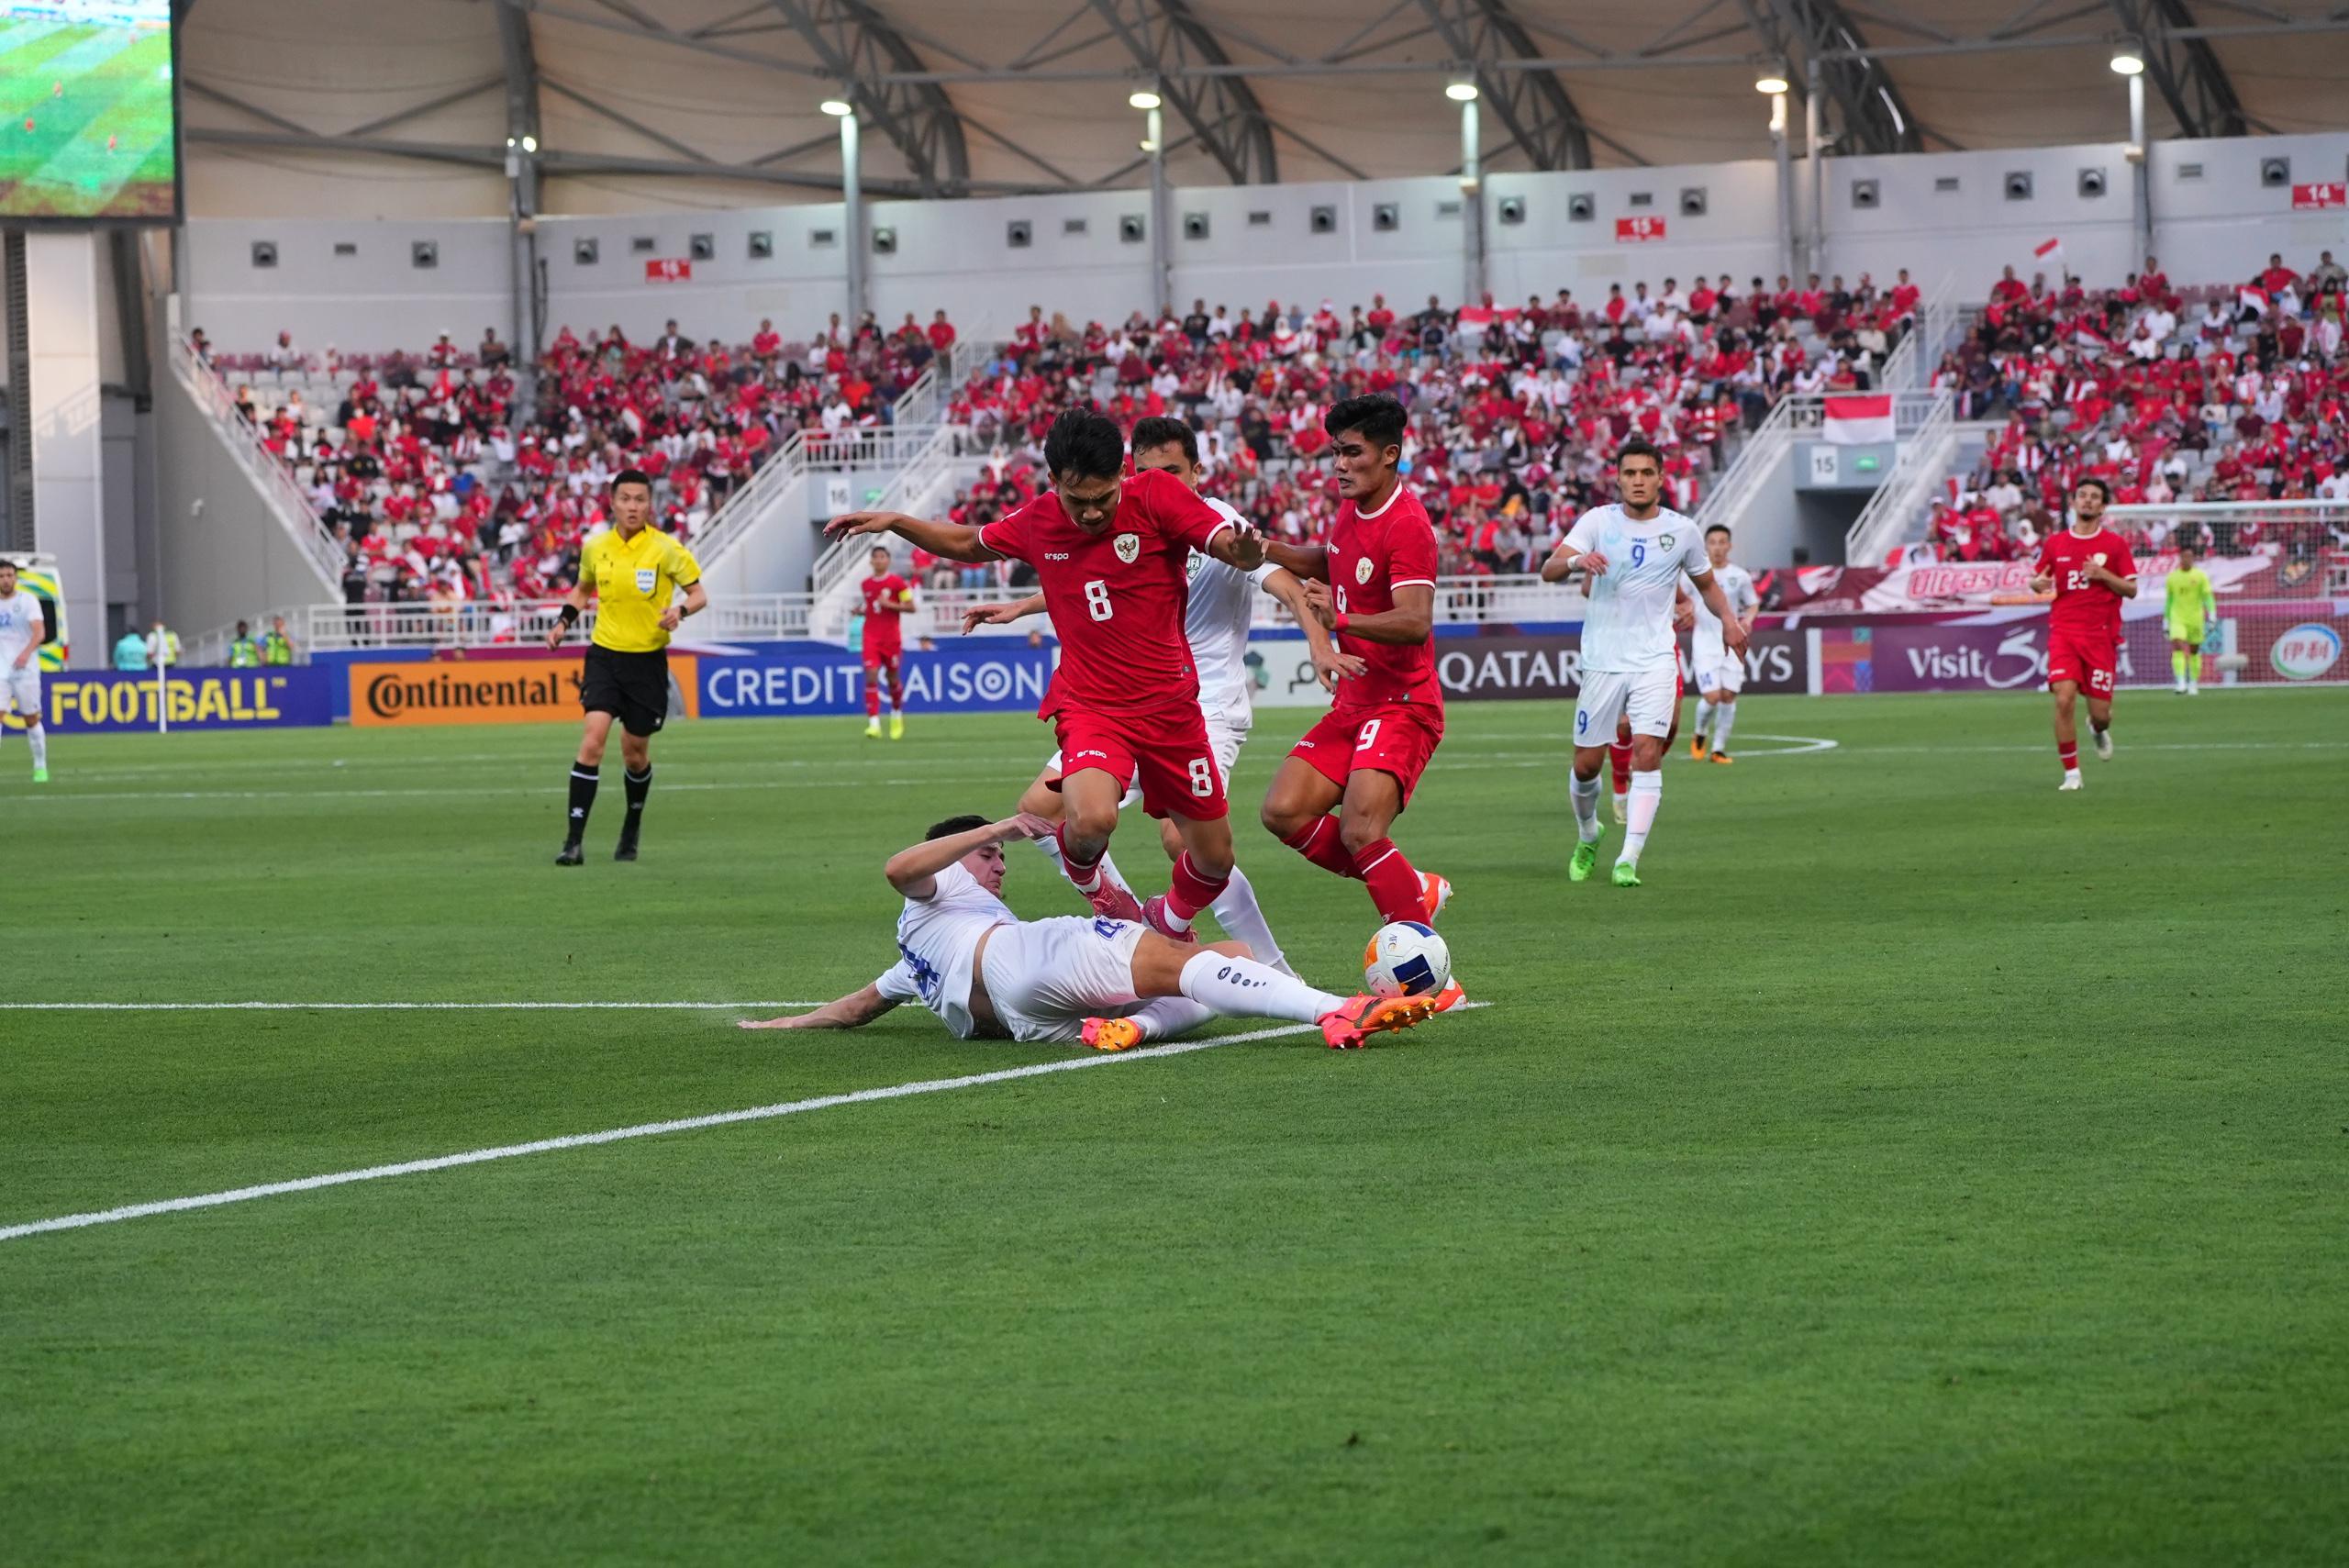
1118 597
2083 607
1372 554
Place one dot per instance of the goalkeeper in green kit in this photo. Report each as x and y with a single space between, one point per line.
2188 611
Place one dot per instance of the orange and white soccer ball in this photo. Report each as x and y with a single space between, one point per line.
1406 959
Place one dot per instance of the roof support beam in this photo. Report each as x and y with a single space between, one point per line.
1222 109
859 48
1870 115
2186 71
1531 106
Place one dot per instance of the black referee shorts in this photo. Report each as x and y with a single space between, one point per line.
632 687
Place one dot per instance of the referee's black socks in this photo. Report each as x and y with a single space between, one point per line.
638 785
583 800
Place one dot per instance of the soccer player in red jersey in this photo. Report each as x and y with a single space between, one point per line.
1111 555
887 597
2091 570
1373 585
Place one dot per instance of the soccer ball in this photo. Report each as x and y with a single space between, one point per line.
1406 959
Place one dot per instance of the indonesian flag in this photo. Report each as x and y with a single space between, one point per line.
1853 421
2253 300
2047 250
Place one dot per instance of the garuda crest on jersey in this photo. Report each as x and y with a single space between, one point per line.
1361 571
1129 547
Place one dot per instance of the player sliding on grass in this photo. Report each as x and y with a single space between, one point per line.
1110 554
1216 625
2091 570
1635 550
1111 984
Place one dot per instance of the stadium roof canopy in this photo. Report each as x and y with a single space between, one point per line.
401 106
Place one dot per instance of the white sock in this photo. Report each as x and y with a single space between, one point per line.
1236 911
1106 871
1243 988
1163 1017
1704 717
1723 716
39 738
1584 793
1647 794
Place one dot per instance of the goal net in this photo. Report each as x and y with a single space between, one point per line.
2281 572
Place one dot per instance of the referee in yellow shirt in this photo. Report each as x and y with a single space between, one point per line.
634 572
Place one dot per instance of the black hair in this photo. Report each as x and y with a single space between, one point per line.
243 627
952 825
1159 431
2187 547
1718 528
2101 487
631 476
1377 418
1639 446
1085 443
876 550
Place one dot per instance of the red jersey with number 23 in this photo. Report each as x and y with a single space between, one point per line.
1118 597
2085 609
1371 554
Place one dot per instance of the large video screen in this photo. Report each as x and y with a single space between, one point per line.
88 118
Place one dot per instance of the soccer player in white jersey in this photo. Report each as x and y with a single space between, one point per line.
1634 551
1720 674
22 627
1111 984
1214 623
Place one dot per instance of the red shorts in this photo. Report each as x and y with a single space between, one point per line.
883 658
1166 752
2084 658
1398 738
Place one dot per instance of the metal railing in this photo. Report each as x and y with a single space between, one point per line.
1910 366
285 498
915 488
1757 458
1926 423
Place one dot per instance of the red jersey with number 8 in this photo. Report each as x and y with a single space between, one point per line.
1372 554
1118 597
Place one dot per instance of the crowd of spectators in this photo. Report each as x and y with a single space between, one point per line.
2216 393
441 489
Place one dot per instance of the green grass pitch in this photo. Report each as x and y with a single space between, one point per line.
1922 1168
85 120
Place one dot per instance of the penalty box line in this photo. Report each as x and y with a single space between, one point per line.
642 1130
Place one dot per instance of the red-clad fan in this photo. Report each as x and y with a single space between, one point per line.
1111 555
1372 584
2090 570
887 597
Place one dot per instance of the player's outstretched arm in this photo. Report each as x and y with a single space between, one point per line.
1329 664
1709 588
956 541
913 870
1238 545
853 1011
1308 562
1412 619
977 616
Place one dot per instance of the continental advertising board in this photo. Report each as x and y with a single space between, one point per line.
482 691
101 701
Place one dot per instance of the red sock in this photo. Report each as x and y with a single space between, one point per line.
1618 757
1190 892
872 699
1394 885
1085 874
1320 844
2069 750
896 694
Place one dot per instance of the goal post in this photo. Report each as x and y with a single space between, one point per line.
2282 573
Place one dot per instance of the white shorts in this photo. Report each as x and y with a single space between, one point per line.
24 692
1046 977
1223 740
1720 671
1648 696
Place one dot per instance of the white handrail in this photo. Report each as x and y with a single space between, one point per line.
1923 462
286 499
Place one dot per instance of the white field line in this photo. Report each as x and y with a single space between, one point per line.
642 1130
380 1006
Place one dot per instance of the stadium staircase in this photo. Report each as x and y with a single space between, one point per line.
272 486
1929 449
